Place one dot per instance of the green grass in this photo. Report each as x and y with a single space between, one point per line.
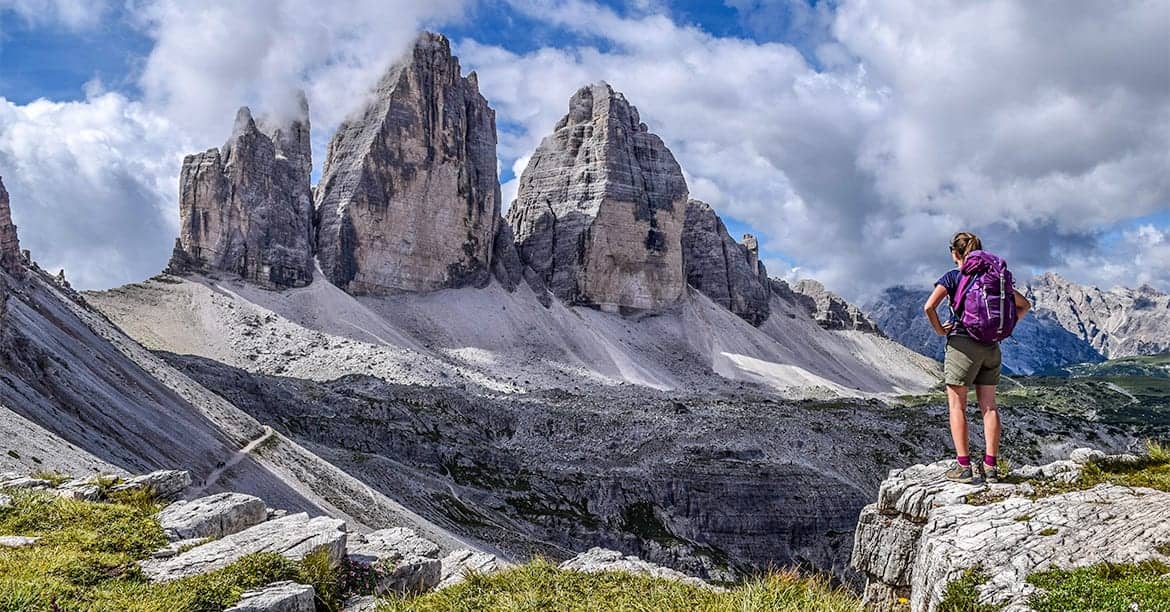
86 560
541 586
961 595
1103 587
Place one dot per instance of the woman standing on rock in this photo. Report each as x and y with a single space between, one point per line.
984 309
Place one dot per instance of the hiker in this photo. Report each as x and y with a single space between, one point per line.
984 309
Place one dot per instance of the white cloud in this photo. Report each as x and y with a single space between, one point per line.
1034 125
93 184
73 14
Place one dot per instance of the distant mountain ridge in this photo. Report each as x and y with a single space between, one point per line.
1070 323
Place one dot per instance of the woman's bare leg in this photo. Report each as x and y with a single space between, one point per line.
957 400
991 428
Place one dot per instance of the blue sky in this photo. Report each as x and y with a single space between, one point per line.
851 136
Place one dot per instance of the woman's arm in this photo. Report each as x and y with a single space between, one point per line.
936 298
1022 305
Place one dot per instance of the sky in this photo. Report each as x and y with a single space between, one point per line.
852 137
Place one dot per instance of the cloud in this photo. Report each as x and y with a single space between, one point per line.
1036 126
73 14
94 185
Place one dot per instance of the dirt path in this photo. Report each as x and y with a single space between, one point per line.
239 456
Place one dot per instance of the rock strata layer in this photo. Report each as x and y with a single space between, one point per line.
247 207
10 258
213 516
600 208
409 198
728 272
924 532
293 537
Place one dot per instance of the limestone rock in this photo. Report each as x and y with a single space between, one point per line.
5 501
16 541
412 563
278 597
10 257
409 198
602 560
360 603
922 534
247 207
830 310
506 266
293 536
727 272
459 563
1118 322
25 482
166 484
213 516
81 489
600 208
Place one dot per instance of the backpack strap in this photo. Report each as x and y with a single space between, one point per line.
961 291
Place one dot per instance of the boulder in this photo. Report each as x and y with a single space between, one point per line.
409 563
293 537
728 272
213 516
360 603
166 484
459 563
247 207
80 489
409 198
11 259
25 482
603 560
16 541
923 533
600 208
278 597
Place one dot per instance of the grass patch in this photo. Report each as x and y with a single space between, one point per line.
962 594
1103 587
86 560
1048 531
56 478
540 585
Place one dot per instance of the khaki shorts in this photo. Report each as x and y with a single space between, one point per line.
968 361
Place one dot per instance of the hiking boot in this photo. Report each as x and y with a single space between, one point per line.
990 473
961 473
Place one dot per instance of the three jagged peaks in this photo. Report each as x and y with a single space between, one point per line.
409 201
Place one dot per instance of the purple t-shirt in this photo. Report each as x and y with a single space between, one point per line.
950 281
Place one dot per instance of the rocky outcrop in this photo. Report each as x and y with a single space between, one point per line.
163 484
405 562
278 597
728 272
600 208
457 565
247 207
213 516
293 537
10 257
603 560
1118 322
925 531
830 310
409 198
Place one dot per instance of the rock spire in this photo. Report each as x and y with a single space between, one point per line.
246 208
10 257
600 208
729 273
409 199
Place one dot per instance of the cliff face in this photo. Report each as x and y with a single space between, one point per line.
1119 322
925 531
600 208
728 272
10 257
409 198
247 208
830 310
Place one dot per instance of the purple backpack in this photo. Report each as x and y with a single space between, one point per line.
986 300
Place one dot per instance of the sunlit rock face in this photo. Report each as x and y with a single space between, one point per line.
247 208
409 198
600 208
